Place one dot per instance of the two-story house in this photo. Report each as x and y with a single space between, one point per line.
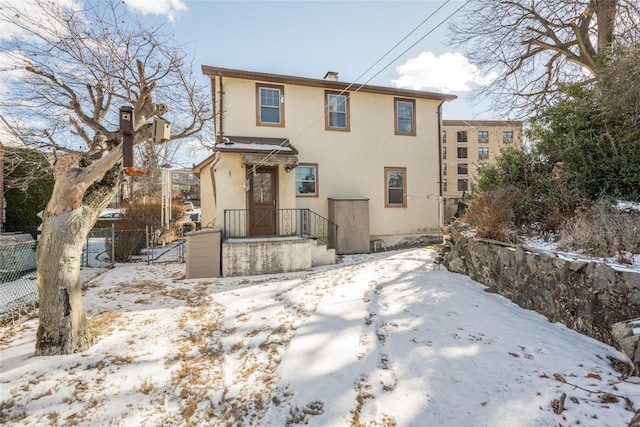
466 146
292 152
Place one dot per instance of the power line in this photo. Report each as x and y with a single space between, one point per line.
282 144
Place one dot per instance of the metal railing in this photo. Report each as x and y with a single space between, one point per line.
288 222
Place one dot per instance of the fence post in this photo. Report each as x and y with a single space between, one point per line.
86 251
113 245
147 230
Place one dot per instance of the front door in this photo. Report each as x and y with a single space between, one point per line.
262 201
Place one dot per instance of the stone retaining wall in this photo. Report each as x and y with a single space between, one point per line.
587 296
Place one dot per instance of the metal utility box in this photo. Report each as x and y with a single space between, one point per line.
352 217
203 253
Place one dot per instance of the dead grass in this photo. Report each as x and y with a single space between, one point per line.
103 323
603 230
146 387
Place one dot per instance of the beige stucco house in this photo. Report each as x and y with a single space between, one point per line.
466 146
296 153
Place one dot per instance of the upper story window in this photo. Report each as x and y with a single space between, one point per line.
307 180
483 136
461 136
444 136
463 169
270 105
507 136
444 153
462 152
483 153
405 116
337 111
444 169
395 187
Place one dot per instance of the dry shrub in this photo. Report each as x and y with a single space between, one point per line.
490 213
602 230
138 215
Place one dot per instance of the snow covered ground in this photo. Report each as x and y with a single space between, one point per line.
384 339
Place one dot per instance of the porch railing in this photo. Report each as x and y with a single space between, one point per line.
288 222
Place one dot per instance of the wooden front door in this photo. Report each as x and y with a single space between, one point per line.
262 201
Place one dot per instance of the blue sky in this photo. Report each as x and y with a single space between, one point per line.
309 38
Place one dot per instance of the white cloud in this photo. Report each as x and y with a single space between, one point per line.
170 8
449 72
34 18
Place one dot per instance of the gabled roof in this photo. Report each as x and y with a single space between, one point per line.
322 83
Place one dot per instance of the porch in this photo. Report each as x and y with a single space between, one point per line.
297 240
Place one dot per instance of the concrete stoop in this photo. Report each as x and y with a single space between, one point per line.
321 255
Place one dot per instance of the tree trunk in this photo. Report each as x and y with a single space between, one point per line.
68 218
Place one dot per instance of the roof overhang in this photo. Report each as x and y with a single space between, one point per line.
255 151
328 84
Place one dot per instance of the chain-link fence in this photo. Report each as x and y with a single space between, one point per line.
103 248
18 286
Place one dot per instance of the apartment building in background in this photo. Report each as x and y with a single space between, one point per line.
466 146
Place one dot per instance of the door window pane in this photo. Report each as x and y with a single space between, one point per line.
262 187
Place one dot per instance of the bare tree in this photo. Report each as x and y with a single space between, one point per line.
69 70
534 44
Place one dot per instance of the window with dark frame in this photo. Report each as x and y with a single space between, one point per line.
307 180
444 169
462 152
395 187
483 137
444 153
461 136
507 136
463 169
444 185
483 153
337 111
463 184
444 136
405 116
270 99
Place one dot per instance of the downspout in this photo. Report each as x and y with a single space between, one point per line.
220 131
216 159
440 200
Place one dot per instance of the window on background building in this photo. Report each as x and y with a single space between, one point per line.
463 184
507 136
307 180
444 185
483 136
337 112
395 187
444 169
444 136
483 153
462 152
461 136
270 105
444 153
463 169
405 116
